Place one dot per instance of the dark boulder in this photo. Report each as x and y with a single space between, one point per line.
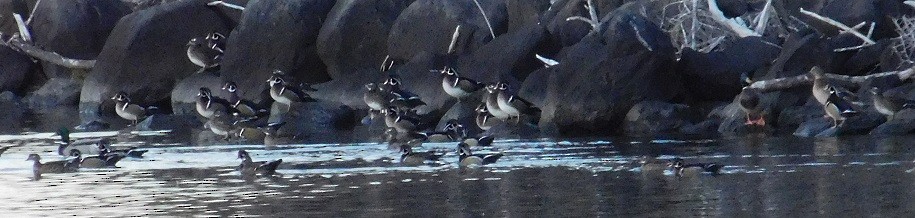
14 68
534 87
13 112
317 121
145 55
74 29
523 12
509 57
902 123
566 32
600 78
179 124
716 75
793 117
355 35
54 93
7 8
656 117
275 35
813 127
428 25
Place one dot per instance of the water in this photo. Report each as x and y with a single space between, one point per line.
777 177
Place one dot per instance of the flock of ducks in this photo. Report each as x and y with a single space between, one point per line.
837 103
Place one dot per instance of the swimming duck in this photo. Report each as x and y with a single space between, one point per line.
66 146
64 166
492 102
467 158
244 108
126 110
396 139
457 86
400 121
681 168
98 161
414 158
209 106
249 167
285 94
473 141
104 147
514 105
838 108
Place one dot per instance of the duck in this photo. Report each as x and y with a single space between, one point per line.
460 132
514 105
209 106
396 139
127 110
651 164
64 166
259 133
410 157
285 94
821 86
98 161
249 167
216 41
838 108
66 146
244 108
484 119
886 105
492 102
680 168
374 98
400 98
220 127
104 147
400 121
457 86
748 100
205 51
290 81
468 159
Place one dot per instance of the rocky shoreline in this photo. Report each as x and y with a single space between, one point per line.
639 68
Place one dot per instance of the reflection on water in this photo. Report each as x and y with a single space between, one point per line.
772 176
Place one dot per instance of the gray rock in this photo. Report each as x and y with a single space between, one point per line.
54 93
655 117
427 26
179 124
902 123
813 127
13 69
316 121
13 112
355 35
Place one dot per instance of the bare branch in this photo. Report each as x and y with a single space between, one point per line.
735 25
228 5
639 36
763 18
23 29
839 25
32 14
485 18
594 21
790 82
51 57
454 37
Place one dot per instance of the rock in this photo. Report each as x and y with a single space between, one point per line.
655 117
510 57
862 123
813 127
184 95
523 12
13 112
145 56
179 124
793 117
733 8
716 75
92 126
902 123
74 29
427 26
348 91
416 78
706 127
600 78
7 8
355 35
275 35
13 69
56 92
316 121
567 33
534 87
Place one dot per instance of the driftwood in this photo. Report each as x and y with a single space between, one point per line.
807 79
228 5
52 57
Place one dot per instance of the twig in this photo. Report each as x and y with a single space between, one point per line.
52 57
594 21
228 5
486 18
23 29
839 25
733 24
32 14
384 63
639 36
763 17
546 61
694 25
454 37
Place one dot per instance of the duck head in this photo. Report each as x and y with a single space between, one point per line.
230 87
121 97
371 87
33 157
406 149
195 42
275 80
676 163
464 149
817 72
242 154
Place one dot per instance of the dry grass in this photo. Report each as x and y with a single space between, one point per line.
691 24
904 45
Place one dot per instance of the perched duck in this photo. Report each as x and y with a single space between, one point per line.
376 99
484 119
282 93
209 106
291 81
98 161
838 108
681 168
467 158
414 158
64 166
400 98
126 110
400 121
513 105
821 86
259 133
492 102
244 108
216 41
205 51
749 103
104 147
220 126
457 86
886 105
249 167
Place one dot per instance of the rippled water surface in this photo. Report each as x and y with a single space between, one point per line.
769 176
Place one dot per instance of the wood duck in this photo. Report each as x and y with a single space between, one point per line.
283 93
492 102
400 98
821 86
64 166
749 103
249 167
473 141
220 126
415 158
206 52
484 119
291 81
259 133
105 148
396 139
209 106
680 168
126 110
376 99
468 159
838 108
514 105
457 86
886 105
66 146
400 121
244 108
98 161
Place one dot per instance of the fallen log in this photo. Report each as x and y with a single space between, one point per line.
807 79
52 57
